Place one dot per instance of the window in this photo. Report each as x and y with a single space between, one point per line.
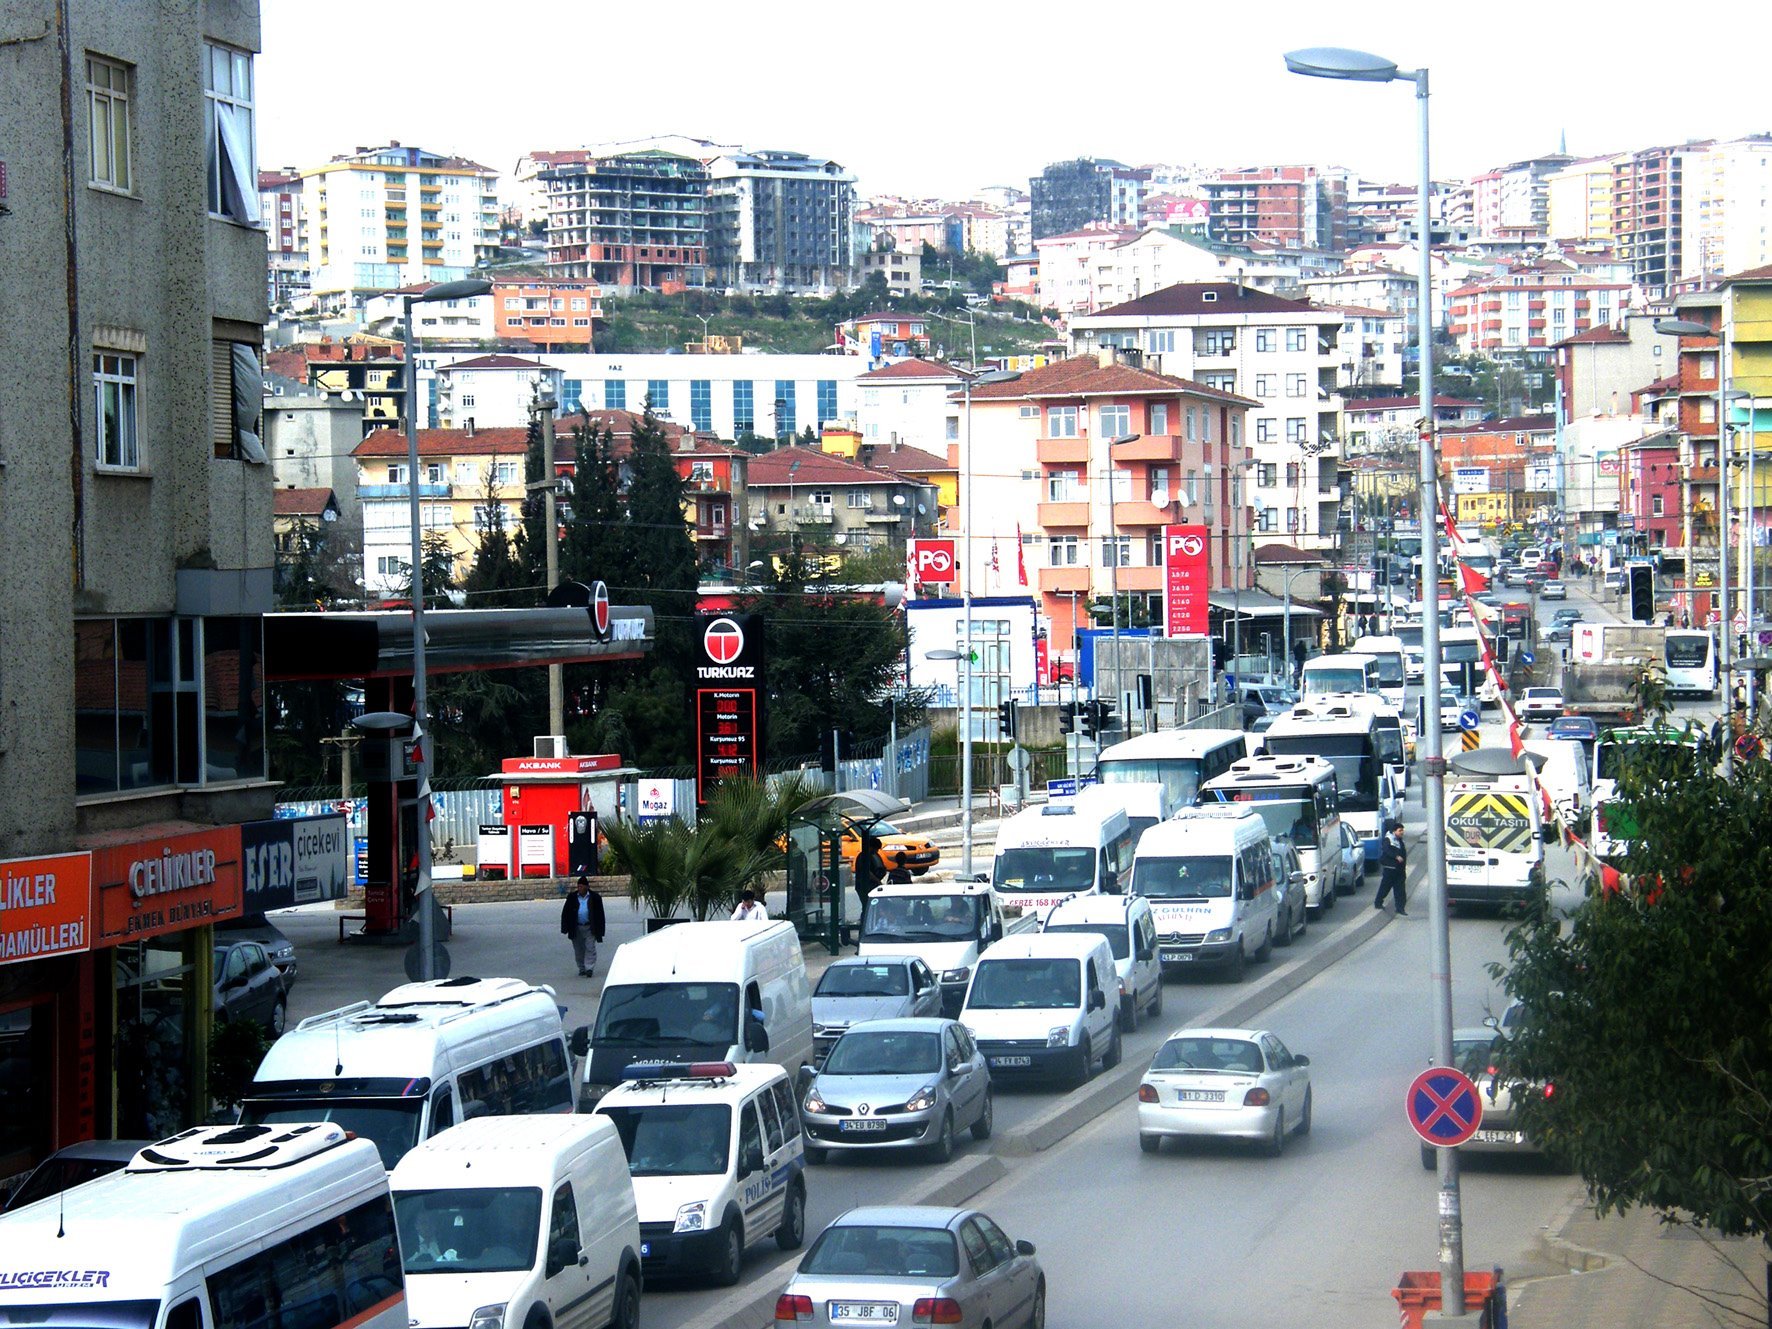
658 396
1655 505
952 430
1295 385
563 1234
114 384
1296 339
529 1080
1226 382
1064 487
819 498
1295 429
1159 417
396 472
572 391
1116 551
1061 551
1293 470
701 404
1265 385
1236 431
1120 484
434 473
1265 339
1267 475
1153 548
228 132
467 399
1264 430
1292 520
1192 424
789 1110
1114 421
107 104
1160 343
750 1138
1267 519
335 1272
1061 422
744 409
504 473
771 1119
858 498
615 394
785 414
1157 479
1192 490
827 400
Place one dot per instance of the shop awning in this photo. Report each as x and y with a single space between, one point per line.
1259 604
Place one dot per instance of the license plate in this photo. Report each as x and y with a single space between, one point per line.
863 1124
1177 957
1007 1062
1500 1137
864 1312
1199 1095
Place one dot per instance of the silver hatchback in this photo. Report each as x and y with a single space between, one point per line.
858 988
899 1084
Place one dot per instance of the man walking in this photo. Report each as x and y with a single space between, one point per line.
581 919
1393 866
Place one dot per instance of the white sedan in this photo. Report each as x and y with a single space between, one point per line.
1541 704
1241 1084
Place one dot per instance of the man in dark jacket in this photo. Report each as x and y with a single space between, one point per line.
1393 866
581 919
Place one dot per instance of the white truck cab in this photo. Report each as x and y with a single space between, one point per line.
718 1160
1210 879
1131 931
945 924
1045 1004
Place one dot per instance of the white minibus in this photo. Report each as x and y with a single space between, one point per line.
1346 736
1387 655
1181 760
1209 876
1346 672
1691 663
1296 797
1049 853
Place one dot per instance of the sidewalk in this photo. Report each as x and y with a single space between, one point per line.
1635 1270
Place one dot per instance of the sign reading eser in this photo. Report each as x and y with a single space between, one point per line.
1186 580
728 699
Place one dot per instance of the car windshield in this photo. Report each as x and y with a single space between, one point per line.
56 1175
391 1123
674 1139
884 1052
1047 868
1473 1056
1542 694
1237 1055
922 917
1118 939
1190 877
1390 669
1007 985
81 1314
650 1014
864 980
480 1231
1288 812
859 1251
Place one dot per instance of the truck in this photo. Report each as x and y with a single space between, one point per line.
1606 661
1494 835
945 924
1593 643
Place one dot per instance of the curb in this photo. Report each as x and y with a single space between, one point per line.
1565 1254
953 1185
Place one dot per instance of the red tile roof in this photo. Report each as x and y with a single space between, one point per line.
1209 297
510 442
301 502
1751 275
493 362
1279 553
777 469
1362 311
1083 376
913 369
904 459
1518 424
1668 384
1602 335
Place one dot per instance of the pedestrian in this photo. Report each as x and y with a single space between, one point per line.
750 909
1393 865
901 872
581 919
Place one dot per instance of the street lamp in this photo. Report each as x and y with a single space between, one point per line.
1362 67
427 913
1114 582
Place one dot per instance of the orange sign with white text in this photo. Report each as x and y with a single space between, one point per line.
168 884
45 906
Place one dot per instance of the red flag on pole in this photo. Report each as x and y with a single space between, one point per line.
1021 560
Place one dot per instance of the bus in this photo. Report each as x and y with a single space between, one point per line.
1047 854
1343 672
1346 736
1691 658
1181 760
1409 635
1387 654
1460 646
1297 799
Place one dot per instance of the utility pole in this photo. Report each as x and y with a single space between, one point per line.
545 406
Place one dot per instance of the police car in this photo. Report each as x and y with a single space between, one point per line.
717 1155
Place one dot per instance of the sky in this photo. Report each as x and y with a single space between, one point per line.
941 100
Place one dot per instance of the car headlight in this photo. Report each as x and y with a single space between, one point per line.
922 1100
1058 1036
488 1317
813 1102
690 1218
955 975
1219 934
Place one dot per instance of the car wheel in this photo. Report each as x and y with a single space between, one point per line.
815 1157
1037 1316
1428 1161
279 1020
1266 948
1085 1063
1294 925
1304 1119
791 1235
731 1266
942 1150
1276 1143
1150 1144
1239 964
538 1319
981 1129
627 1303
1127 1017
1111 1058
1157 1001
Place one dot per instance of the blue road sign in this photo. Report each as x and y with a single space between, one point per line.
1528 657
1064 786
1469 720
1443 1106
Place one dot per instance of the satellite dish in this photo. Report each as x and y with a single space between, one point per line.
842 537
921 509
898 500
349 394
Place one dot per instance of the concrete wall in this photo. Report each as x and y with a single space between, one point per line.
309 439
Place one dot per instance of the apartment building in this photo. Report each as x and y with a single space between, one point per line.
1371 346
1157 258
1067 265
1281 354
821 498
1077 467
1389 424
1070 195
780 221
363 368
533 314
908 403
1578 200
1498 469
901 269
491 390
286 244
628 220
1648 215
1726 210
135 554
1649 490
1532 307
380 218
1598 370
1515 199
1300 207
309 433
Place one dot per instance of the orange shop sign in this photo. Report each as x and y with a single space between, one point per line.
45 906
167 884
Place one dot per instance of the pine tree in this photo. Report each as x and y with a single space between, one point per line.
531 546
496 578
597 538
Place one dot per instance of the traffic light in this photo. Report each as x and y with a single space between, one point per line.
1642 592
1006 718
1067 717
1096 714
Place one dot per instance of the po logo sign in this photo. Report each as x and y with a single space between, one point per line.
1188 546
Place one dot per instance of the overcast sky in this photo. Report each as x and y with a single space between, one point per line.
1002 89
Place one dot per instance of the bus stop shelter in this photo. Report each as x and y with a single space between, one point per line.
819 881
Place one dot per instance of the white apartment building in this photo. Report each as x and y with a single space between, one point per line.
907 403
1067 266
1726 209
491 390
1580 200
1283 353
1370 349
437 323
379 218
1160 258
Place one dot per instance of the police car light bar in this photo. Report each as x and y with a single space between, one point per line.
678 1070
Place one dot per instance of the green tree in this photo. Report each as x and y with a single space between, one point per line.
496 578
597 543
531 544
1650 1009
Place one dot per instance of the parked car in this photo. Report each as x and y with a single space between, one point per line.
1290 917
1541 704
1241 1084
248 986
267 934
896 1085
1566 615
1353 861
73 1166
870 987
903 1263
1477 1052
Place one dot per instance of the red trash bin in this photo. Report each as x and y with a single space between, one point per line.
1418 1291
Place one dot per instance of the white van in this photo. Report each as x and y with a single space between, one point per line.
1391 664
945 924
1144 802
531 1218
207 1229
1210 879
1045 1004
1131 932
1049 853
424 1057
1296 797
1345 672
692 992
1563 770
718 1160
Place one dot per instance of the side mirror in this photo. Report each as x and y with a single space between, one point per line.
580 1042
1296 878
562 1253
1301 1060
1097 1000
1024 1248
756 1038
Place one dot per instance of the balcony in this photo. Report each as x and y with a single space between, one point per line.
810 514
886 516
1151 447
1063 581
707 484
1059 515
1137 579
1138 513
1062 451
712 533
425 490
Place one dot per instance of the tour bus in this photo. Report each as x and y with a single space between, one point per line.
1691 663
1049 853
1346 736
1346 672
424 1057
1387 654
1181 760
230 1227
1296 797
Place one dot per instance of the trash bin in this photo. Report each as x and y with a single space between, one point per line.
1418 1291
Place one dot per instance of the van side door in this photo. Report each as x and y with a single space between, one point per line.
1147 974
765 1189
566 1272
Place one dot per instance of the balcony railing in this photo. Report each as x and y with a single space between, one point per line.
814 515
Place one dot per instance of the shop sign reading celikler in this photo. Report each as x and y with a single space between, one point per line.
168 884
45 906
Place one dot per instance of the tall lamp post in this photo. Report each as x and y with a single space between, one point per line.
1362 67
427 913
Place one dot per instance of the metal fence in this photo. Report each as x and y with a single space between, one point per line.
455 832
